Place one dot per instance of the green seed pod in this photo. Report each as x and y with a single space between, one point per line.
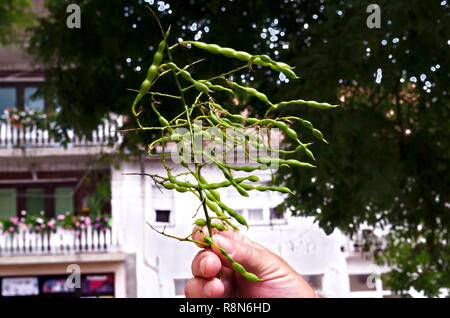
318 134
151 73
241 270
169 186
251 277
251 91
243 56
307 124
266 188
202 87
228 52
307 103
286 71
181 189
200 222
231 212
218 226
213 208
215 194
253 178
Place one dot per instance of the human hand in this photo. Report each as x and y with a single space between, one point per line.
279 279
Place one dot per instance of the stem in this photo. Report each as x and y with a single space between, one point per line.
205 210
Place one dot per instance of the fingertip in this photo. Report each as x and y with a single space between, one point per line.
214 288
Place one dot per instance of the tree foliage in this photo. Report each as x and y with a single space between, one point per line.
14 16
388 160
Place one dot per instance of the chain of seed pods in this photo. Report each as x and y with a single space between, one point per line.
212 114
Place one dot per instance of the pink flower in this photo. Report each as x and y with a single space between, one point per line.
77 224
14 220
37 227
61 217
51 223
12 229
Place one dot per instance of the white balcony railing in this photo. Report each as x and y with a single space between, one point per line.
63 241
16 136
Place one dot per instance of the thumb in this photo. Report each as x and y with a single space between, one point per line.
254 257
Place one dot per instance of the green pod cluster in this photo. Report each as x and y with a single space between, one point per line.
230 212
213 207
152 72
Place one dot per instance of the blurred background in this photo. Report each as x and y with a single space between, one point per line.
371 221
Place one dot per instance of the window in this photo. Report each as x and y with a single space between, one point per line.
359 282
63 200
7 98
275 214
255 214
31 102
179 286
8 203
35 200
314 281
163 216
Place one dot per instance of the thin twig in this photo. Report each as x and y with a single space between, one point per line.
157 19
183 239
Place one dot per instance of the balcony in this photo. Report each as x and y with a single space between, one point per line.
21 239
34 135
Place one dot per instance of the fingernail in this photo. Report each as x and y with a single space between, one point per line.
225 243
208 289
203 266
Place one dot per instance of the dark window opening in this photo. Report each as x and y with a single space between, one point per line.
314 280
276 214
163 216
179 283
361 282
